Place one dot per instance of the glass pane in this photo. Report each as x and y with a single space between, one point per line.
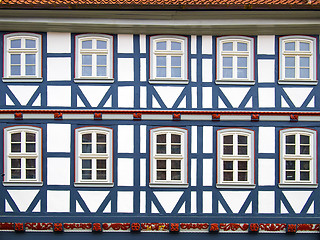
86 137
30 59
101 148
161 72
86 59
86 174
304 139
161 149
30 163
86 163
16 43
175 46
290 149
161 138
87 71
30 43
161 61
175 164
87 44
290 165
304 46
30 137
291 139
227 46
227 176
305 149
15 163
102 163
161 175
242 46
227 61
242 176
31 70
101 174
242 139
101 59
228 139
304 61
15 147
242 73
31 174
86 148
101 138
290 46
242 165
15 59
228 150
227 73
161 45
290 175
290 73
304 165
101 71
15 173
161 164
289 61
176 61
175 138
176 175
30 147
242 61
305 176
16 137
227 165
15 70
242 150
304 73
176 72
175 149
101 44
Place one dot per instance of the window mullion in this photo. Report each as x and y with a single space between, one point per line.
23 168
94 169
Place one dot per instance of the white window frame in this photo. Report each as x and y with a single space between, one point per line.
235 158
23 155
79 182
183 156
312 54
94 52
168 53
7 77
312 157
235 54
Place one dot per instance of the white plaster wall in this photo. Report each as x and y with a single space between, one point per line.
207 97
206 44
193 44
125 97
266 172
143 202
143 138
207 202
143 171
194 137
194 99
193 202
59 69
207 172
58 171
266 70
58 201
125 202
266 97
125 172
58 42
143 69
193 70
125 43
125 138
125 69
266 44
22 93
207 70
267 139
59 96
266 202
58 137
207 139
143 97
143 43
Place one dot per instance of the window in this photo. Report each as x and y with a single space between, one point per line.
235 158
22 58
94 58
94 156
22 155
235 60
297 60
298 157
168 59
168 157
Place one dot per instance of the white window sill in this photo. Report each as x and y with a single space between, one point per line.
168 81
168 185
22 79
235 81
93 80
22 183
93 184
236 185
298 185
298 81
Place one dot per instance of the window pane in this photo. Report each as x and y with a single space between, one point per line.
101 174
227 165
30 43
176 175
87 71
290 73
228 150
304 165
161 61
31 174
304 73
176 72
161 72
15 70
15 59
242 150
305 149
289 61
101 138
227 73
15 173
16 137
227 61
227 46
305 176
86 174
161 138
304 139
161 149
242 46
304 61
101 44
242 165
161 164
242 176
102 59
304 46
87 44
16 43
102 163
30 147
227 176
86 137
175 149
101 148
228 139
175 164
175 46
290 175
15 163
30 137
86 148
242 72
290 165
86 163
30 59
161 175
161 45
175 138
291 139
30 163
15 147
101 71
86 59
242 139
290 46
176 61
31 70
290 149
242 61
